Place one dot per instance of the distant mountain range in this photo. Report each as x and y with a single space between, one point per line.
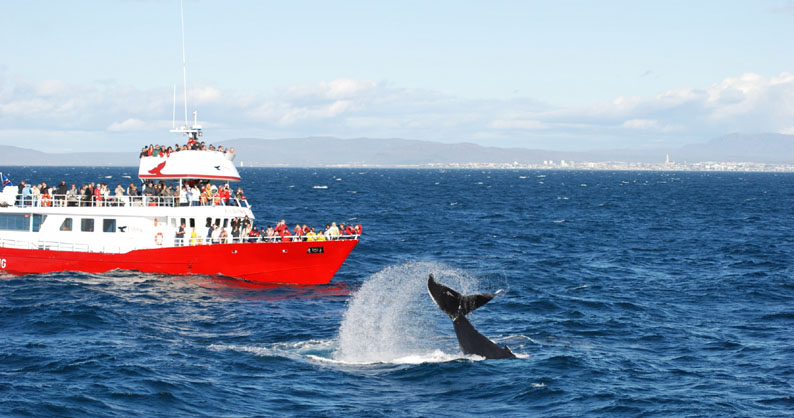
326 151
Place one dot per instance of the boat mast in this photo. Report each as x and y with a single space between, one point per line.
173 118
195 130
184 63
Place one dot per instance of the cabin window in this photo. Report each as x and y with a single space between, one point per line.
192 222
209 222
87 225
66 225
37 221
15 222
225 223
109 225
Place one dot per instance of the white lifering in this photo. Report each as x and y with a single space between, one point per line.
158 238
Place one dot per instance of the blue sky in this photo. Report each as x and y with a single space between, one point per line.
565 75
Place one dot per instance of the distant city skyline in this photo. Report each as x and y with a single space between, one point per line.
567 76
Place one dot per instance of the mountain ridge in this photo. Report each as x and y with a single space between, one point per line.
330 151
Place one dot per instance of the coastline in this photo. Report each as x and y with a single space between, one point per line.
709 166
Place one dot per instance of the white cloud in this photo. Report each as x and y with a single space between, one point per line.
356 108
205 94
526 124
128 125
641 124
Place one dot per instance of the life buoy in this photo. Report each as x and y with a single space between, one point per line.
45 200
158 238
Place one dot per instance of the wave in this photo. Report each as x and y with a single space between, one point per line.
321 351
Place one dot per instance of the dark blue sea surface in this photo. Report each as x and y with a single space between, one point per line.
627 294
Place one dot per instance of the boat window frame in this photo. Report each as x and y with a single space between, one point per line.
84 224
5 223
105 225
67 228
36 221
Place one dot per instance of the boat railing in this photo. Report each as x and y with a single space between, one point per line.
178 242
70 200
42 245
185 242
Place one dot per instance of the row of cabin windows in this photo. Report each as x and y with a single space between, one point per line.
87 225
21 222
191 222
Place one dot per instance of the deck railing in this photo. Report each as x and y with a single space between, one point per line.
67 200
183 242
116 248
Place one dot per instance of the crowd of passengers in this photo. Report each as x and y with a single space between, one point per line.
192 193
192 144
242 230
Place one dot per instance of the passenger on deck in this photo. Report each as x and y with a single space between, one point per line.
20 198
60 194
236 233
88 194
180 235
285 235
119 195
72 196
297 233
253 235
333 232
281 226
97 195
195 195
46 199
224 194
184 195
215 235
246 225
35 195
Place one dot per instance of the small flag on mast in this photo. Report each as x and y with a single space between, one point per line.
6 181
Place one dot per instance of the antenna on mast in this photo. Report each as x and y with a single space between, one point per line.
194 131
184 64
173 119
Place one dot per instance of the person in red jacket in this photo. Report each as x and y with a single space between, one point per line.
98 195
285 235
225 195
280 227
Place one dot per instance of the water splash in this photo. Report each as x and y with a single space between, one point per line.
392 317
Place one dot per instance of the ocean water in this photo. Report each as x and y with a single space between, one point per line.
626 294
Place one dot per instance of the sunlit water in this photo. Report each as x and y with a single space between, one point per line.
626 293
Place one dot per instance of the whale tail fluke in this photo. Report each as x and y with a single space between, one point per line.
456 306
453 303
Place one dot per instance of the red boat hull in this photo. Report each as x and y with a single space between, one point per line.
299 263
